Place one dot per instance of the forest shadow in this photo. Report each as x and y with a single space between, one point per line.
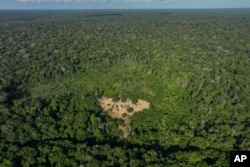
112 143
14 92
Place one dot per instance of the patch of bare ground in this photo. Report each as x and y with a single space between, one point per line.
123 110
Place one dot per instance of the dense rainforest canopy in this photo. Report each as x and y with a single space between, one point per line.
192 66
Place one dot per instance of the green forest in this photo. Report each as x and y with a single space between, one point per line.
192 66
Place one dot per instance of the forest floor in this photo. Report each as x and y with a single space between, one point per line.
120 109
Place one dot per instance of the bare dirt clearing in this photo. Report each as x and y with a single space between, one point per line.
123 110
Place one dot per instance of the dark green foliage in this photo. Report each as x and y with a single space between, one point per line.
124 114
192 66
130 109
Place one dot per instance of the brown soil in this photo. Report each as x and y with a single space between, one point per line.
119 110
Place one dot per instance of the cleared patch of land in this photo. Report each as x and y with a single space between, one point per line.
123 110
